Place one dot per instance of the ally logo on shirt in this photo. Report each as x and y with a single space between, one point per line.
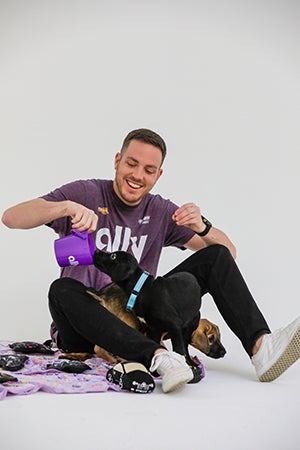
122 240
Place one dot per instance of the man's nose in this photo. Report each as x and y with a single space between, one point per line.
137 173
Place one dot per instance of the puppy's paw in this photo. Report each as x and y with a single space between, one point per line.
76 356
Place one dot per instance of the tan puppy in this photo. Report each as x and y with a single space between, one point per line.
205 338
114 300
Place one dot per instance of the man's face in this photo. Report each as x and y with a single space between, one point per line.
137 171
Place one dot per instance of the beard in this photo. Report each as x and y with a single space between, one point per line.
128 195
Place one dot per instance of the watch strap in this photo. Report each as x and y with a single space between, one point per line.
208 226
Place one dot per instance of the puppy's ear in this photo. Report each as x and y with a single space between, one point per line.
210 328
204 326
125 265
199 338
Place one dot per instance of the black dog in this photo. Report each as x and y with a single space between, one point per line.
168 304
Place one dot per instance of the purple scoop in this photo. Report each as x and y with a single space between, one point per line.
75 249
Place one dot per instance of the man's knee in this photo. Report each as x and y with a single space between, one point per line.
61 289
218 250
58 286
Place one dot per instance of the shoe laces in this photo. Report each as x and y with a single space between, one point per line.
167 360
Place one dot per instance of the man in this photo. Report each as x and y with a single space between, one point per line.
123 215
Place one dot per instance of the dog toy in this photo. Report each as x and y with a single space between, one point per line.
70 366
31 347
198 370
198 374
131 376
4 377
12 362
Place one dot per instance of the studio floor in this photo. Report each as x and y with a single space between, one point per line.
228 410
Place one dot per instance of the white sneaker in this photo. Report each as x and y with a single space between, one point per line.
173 368
278 351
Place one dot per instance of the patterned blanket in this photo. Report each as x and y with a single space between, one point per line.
36 375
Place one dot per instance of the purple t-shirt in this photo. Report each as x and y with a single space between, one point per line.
142 230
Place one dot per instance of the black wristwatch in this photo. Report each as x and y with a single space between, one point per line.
207 228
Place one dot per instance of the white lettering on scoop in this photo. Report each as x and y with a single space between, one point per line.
73 261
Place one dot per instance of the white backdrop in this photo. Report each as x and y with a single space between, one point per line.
219 80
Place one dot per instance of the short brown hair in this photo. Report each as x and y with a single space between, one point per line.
147 136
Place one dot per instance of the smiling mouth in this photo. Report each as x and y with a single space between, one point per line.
133 185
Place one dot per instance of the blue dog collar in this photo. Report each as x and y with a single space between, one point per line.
136 290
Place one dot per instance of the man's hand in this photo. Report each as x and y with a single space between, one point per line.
82 217
189 215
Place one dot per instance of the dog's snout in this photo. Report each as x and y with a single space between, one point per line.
222 352
217 351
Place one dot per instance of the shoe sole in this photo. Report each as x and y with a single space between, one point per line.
170 384
288 357
144 386
198 374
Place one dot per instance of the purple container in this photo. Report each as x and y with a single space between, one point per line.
75 249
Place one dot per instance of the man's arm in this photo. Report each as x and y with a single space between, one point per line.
214 236
36 212
189 215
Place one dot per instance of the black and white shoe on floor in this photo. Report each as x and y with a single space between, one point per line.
131 376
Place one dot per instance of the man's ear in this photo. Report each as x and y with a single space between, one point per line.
117 160
160 172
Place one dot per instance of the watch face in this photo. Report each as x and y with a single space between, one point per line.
206 221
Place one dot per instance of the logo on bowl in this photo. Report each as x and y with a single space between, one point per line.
72 260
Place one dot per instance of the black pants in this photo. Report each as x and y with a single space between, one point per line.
82 322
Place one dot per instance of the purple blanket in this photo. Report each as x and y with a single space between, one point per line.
35 376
